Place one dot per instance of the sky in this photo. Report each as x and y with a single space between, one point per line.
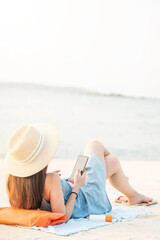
102 45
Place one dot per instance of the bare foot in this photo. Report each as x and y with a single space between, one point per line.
138 198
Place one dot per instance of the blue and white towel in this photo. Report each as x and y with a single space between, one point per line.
83 224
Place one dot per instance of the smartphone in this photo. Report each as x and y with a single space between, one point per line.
80 164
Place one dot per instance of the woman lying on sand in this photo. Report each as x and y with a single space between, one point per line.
30 150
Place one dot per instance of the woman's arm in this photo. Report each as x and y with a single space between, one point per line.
56 194
70 203
79 180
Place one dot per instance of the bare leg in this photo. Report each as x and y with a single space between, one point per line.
115 173
118 180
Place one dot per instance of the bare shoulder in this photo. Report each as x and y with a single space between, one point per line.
53 176
51 182
52 179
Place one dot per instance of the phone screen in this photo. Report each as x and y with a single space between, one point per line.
80 164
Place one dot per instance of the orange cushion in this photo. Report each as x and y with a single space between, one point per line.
29 218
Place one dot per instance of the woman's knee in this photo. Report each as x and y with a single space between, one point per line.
95 147
92 142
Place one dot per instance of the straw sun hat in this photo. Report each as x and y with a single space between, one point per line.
31 148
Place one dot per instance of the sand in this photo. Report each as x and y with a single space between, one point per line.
144 176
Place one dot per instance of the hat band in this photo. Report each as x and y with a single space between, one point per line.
35 152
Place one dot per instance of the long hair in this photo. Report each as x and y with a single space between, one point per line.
26 192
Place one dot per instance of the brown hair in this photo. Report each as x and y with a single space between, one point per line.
26 192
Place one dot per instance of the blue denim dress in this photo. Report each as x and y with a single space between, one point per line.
92 196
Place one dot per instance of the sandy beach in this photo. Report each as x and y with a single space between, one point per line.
144 176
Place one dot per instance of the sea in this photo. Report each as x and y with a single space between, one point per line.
129 127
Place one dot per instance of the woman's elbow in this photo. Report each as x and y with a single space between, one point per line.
66 219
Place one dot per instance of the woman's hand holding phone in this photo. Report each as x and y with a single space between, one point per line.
79 179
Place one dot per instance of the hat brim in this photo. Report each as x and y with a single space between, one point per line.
46 154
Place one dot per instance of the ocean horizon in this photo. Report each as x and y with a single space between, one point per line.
128 126
88 91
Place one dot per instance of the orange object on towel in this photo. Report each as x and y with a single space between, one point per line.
29 218
108 218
